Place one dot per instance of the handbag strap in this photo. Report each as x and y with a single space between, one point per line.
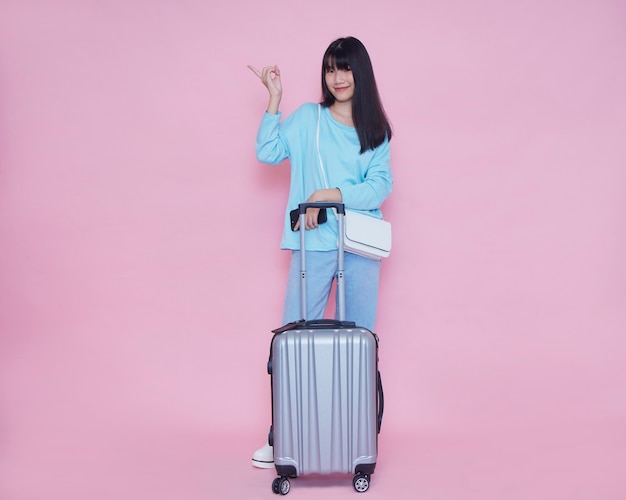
317 139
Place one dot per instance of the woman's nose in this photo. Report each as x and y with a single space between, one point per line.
340 75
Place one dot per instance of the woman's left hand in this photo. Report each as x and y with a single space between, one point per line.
312 214
310 219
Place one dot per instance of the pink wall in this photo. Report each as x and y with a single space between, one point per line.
139 264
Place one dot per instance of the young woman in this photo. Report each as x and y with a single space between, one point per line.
353 139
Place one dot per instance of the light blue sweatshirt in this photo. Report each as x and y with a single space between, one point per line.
364 179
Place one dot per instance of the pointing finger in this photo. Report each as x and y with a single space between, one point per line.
255 71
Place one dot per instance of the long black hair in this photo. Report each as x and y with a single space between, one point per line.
370 120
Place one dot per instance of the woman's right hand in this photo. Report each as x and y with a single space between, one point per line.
270 76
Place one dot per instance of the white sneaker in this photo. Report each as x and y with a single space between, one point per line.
263 458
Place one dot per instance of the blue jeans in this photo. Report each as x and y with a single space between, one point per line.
361 280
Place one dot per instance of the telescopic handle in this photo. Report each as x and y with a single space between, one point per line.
322 204
341 290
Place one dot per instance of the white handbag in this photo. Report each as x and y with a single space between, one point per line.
364 235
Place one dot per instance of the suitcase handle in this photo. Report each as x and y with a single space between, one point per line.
327 323
381 401
341 289
315 323
340 207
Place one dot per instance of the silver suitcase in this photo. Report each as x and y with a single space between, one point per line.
327 399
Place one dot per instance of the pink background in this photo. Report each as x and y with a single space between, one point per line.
139 266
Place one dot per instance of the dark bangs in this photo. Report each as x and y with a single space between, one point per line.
338 59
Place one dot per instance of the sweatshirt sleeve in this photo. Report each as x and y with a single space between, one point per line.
376 186
271 146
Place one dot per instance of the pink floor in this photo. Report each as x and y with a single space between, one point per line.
557 463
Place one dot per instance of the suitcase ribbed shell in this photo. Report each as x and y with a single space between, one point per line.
324 395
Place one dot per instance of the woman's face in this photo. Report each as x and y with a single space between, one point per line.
340 83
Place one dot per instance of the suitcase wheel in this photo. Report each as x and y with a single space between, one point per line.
361 482
281 485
